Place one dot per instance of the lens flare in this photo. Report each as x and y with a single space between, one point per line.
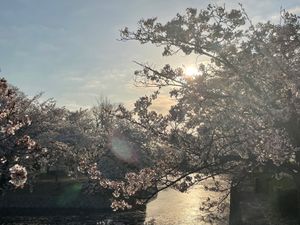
123 150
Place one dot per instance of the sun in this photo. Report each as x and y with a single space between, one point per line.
191 71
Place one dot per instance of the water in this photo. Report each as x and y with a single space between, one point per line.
169 208
175 208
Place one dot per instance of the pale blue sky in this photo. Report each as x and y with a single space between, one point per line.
69 48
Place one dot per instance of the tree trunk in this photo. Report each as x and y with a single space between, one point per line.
235 212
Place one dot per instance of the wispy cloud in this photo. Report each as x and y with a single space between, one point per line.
295 10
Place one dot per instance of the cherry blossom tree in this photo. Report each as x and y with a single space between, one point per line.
123 158
39 135
18 152
239 113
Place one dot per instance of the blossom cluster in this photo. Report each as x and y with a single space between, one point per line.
17 146
18 175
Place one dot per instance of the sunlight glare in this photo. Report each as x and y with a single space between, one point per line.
191 71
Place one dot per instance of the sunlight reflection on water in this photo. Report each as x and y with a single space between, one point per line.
172 207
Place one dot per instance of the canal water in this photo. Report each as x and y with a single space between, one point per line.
175 208
169 208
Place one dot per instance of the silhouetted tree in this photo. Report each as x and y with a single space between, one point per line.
239 113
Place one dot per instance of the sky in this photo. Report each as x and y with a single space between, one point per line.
69 49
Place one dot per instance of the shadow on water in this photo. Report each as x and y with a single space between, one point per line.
62 202
81 218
